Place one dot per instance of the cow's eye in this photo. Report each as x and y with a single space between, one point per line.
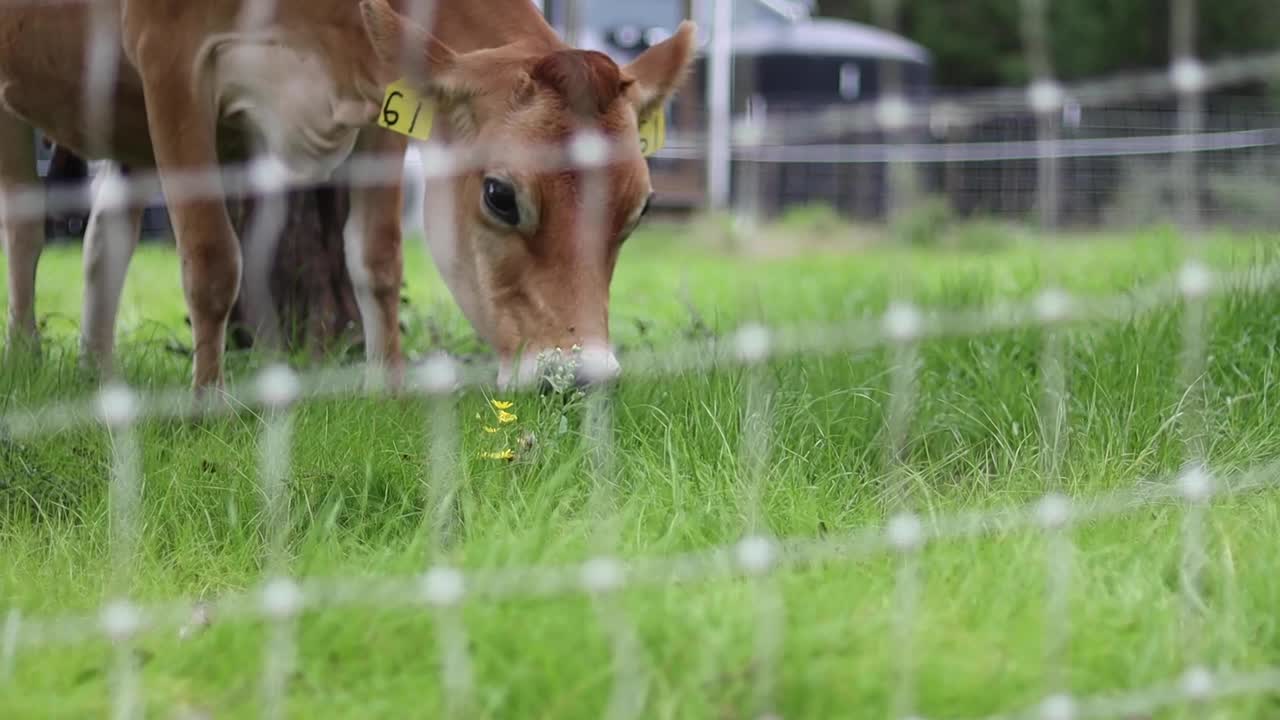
500 201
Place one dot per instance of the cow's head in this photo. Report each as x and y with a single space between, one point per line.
531 250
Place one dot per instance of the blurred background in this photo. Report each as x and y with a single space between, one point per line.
792 60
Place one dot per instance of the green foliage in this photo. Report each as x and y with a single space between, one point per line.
814 217
924 223
983 235
1248 195
1242 198
979 42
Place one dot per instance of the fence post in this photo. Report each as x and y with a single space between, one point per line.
719 99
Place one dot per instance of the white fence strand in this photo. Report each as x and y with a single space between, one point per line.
719 562
282 597
853 336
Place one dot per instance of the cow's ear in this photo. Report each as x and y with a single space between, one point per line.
658 72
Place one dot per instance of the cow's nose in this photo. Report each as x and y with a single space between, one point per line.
517 373
598 366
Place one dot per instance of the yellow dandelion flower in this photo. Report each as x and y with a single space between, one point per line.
507 454
501 404
490 430
505 417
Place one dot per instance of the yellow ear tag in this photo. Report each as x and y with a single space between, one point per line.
653 133
406 112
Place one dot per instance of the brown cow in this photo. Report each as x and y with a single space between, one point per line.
195 84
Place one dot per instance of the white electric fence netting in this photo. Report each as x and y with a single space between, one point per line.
277 392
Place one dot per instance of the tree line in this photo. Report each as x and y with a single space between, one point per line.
978 43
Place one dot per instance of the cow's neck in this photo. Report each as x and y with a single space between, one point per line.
467 25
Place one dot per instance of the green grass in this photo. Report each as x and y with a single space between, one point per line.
356 489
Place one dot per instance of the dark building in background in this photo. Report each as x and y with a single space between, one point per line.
65 172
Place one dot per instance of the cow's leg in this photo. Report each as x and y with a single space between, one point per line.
22 217
181 121
371 239
109 242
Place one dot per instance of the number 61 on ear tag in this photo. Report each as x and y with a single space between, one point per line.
406 112
653 133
